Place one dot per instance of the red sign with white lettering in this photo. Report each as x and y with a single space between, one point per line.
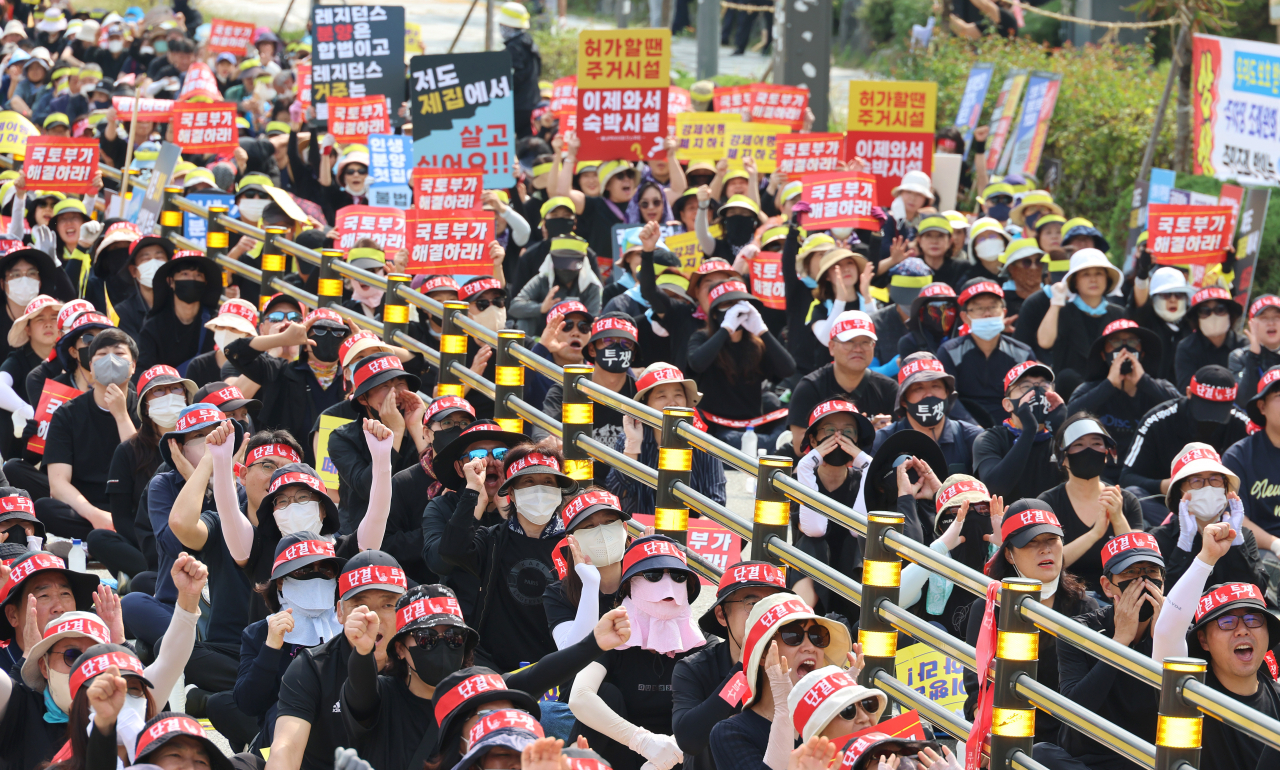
52 396
229 36
61 164
1196 235
449 243
353 119
839 199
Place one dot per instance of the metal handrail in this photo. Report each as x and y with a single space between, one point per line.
1072 714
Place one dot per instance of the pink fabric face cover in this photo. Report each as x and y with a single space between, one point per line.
661 616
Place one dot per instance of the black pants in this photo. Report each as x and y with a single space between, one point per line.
61 519
115 552
618 756
681 20
524 123
24 475
1055 757
236 726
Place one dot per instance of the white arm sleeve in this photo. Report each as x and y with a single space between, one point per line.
782 736
822 328
10 401
812 523
915 577
373 527
6 689
1169 636
236 529
174 653
573 631
519 227
15 224
592 711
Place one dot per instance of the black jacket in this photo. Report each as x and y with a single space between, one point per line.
1163 432
1242 564
403 538
526 68
351 456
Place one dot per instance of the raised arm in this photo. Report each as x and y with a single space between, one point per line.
189 576
374 524
236 529
1169 635
184 516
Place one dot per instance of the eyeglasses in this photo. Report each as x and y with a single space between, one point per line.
650 204
496 453
1215 308
428 638
868 705
793 634
483 304
748 603
986 311
452 421
14 275
1251 620
282 502
654 575
849 433
583 326
277 316
320 331
71 654
267 465
1198 482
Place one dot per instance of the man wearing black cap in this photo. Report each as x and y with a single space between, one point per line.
1213 314
1207 413
564 274
1133 579
186 298
925 399
146 256
1015 458
1255 459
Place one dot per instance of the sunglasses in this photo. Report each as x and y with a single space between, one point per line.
583 326
1216 308
866 704
71 654
1229 622
277 316
650 204
496 453
428 638
654 575
483 304
254 195
317 331
793 634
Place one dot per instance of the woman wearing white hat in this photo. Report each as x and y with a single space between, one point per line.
914 193
829 702
1078 312
1160 303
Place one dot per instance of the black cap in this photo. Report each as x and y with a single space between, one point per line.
430 605
166 726
369 570
1268 384
459 695
302 549
1212 394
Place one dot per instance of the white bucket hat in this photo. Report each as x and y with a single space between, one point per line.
1170 280
772 613
1197 458
823 693
1087 258
915 181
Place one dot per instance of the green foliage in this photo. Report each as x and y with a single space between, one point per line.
684 80
1266 279
559 51
878 16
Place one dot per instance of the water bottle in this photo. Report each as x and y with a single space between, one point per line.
76 559
749 441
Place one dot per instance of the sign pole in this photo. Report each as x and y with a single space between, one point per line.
128 155
1149 155
708 38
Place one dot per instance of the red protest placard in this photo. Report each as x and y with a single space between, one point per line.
303 72
353 119
200 82
733 99
1196 235
229 36
52 396
386 226
61 164
890 155
906 727
149 110
779 104
709 540
801 153
449 243
766 279
678 101
447 189
568 120
564 94
839 199
205 128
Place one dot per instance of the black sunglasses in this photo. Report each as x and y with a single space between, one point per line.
427 638
70 656
254 195
793 634
866 704
1217 308
654 575
280 315
483 304
319 331
583 326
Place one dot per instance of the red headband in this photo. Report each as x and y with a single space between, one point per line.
448 402
768 621
425 607
859 747
853 324
199 416
13 503
304 548
1017 371
716 265
100 663
239 308
159 370
533 459
1227 594
1027 518
586 500
819 693
1213 292
71 308
39 303
1128 542
298 477
649 549
90 627
465 690
1259 304
88 317
724 288
376 365
938 289
351 341
506 719
986 287
658 375
1191 455
468 290
752 573
372 575
1212 392
613 324
223 395
831 407
1118 325
438 283
1271 376
41 561
325 314
175 724
920 365
947 494
565 308
272 450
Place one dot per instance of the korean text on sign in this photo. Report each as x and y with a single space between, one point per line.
800 153
359 51
710 541
303 71
932 674
766 279
623 80
754 140
203 127
839 199
386 226
733 100
684 246
779 104
149 110
445 189
229 36
890 156
1197 235
440 90
449 243
61 164
892 105
352 120
390 158
464 114
52 396
703 135
564 94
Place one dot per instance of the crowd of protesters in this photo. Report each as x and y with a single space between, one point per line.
347 570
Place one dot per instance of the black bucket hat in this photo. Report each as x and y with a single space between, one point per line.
16 505
288 475
193 418
371 570
430 605
922 366
885 461
459 694
302 549
1152 349
658 552
82 324
43 263
83 584
730 292
1209 294
98 658
480 430
744 574
537 462
168 725
164 294
377 369
1265 385
866 432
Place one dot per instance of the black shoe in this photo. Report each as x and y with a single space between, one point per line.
738 52
196 700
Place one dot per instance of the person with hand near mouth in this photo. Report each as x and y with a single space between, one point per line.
563 341
829 702
1015 458
1231 626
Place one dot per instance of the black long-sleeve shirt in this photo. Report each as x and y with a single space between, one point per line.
736 399
1195 351
351 456
1164 431
696 705
403 537
258 677
1015 467
1118 410
676 317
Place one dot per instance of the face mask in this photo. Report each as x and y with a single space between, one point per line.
559 227
146 49
1207 503
841 233
224 337
1146 611
433 665
136 705
1088 463
314 595
299 517
492 318
60 689
326 348
162 46
111 369
605 544
989 249
837 457
86 89
565 277
999 212
1167 316
193 450
188 291
115 46
929 411
164 410
987 328
537 504
739 229
21 291
369 296
147 271
251 209
102 105
1215 325
614 358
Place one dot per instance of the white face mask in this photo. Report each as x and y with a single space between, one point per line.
60 688
147 49
492 318
147 271
224 337
369 296
317 595
86 89
604 544
129 722
989 249
251 209
1215 325
299 517
115 46
1163 311
537 504
1207 503
21 291
193 450
164 410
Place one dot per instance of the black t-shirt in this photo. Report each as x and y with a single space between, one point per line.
204 369
1226 748
696 705
166 340
26 740
84 436
596 225
229 588
560 610
1089 566
644 679
874 395
18 364
311 690
125 484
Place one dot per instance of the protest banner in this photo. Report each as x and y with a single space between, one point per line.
358 51
1236 97
754 140
1196 235
53 395
839 199
685 248
149 110
396 196
61 164
905 726
413 39
623 80
351 120
703 135
302 71
324 464
203 127
1253 215
14 130
196 228
709 540
568 120
733 100
564 94
932 674
766 280
229 36
969 114
200 83
891 125
449 243
464 115
1002 115
390 158
800 153
1033 124
678 101
384 225
144 210
444 189
784 105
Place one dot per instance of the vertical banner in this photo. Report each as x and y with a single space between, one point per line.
755 140
1002 115
1033 124
969 115
147 212
351 120
202 127
891 126
1235 97
413 45
384 225
358 51
623 80
766 280
1253 216
53 395
302 70
324 464
798 153
61 164
449 242
229 36
685 248
839 199
564 94
464 114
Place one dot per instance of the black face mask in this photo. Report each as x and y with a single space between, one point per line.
739 229
559 227
435 664
1146 611
837 456
566 277
326 348
188 291
973 551
1040 403
614 358
442 438
929 411
1088 463
82 356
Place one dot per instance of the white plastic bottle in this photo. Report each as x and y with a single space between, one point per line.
77 559
749 441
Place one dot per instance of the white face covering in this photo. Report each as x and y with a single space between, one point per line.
989 249
21 291
1207 503
193 450
314 621
1047 589
224 337
164 410
537 504
299 517
251 209
60 689
604 544
115 45
147 271
1164 313
492 318
1215 325
369 296
129 723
